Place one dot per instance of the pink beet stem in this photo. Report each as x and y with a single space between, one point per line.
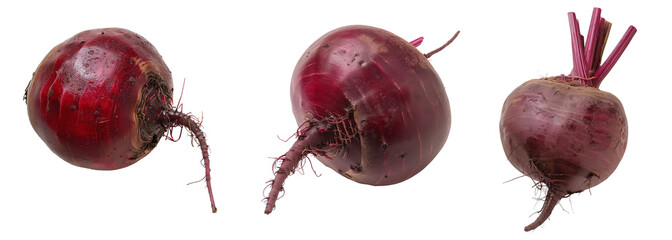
577 47
591 39
587 58
602 37
176 118
416 43
427 55
603 70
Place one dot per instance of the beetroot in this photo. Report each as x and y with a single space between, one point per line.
103 99
562 131
369 105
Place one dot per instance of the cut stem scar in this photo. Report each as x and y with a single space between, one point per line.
417 41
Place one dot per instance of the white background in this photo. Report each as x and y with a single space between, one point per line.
237 58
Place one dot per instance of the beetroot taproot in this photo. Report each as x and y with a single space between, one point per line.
102 100
369 105
562 131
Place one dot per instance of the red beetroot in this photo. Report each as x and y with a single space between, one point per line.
563 131
369 105
103 99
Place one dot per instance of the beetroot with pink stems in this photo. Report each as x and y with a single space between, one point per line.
562 131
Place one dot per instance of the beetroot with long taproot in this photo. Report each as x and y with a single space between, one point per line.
369 105
564 132
102 100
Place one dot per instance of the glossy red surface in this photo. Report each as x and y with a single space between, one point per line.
86 98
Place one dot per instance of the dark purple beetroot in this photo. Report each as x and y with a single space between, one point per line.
369 105
563 131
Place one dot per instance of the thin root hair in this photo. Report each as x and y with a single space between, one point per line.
269 184
303 163
515 178
287 139
589 178
197 181
178 106
276 167
571 205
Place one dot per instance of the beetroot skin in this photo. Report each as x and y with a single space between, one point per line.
563 131
369 105
103 100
